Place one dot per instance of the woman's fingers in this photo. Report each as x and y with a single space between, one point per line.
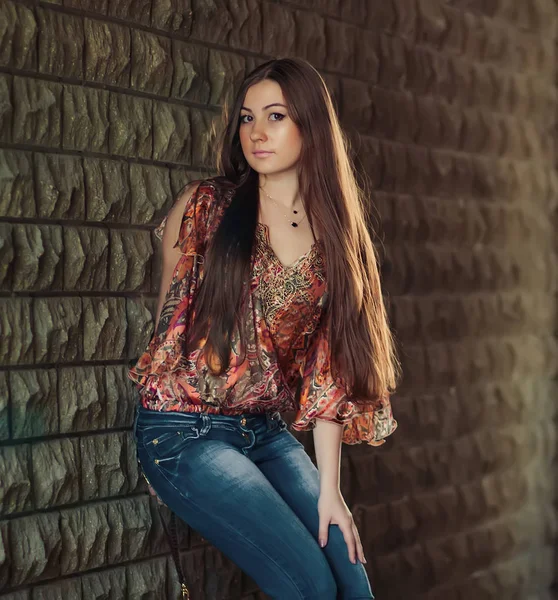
154 493
350 540
360 549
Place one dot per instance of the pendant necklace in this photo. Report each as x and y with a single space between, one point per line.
291 221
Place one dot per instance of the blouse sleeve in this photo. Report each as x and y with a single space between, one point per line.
193 220
324 397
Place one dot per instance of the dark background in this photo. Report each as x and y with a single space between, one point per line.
105 112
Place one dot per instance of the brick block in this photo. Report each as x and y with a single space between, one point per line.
394 115
104 328
5 565
68 588
81 399
56 469
432 23
37 112
86 119
6 108
86 258
367 59
393 62
211 21
130 260
193 565
104 461
246 32
16 333
128 535
150 193
55 58
121 397
33 396
140 316
221 573
205 130
17 197
94 6
136 11
172 15
131 127
107 581
61 194
7 256
108 53
357 109
171 129
108 190
22 595
16 494
341 55
41 533
381 16
39 251
226 72
355 11
152 65
85 531
58 334
148 577
279 30
336 8
18 37
191 79
180 177
310 38
4 418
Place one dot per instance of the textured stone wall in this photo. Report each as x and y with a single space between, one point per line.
105 109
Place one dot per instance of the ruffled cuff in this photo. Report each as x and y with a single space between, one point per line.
363 422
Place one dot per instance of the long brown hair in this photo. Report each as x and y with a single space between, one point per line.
361 344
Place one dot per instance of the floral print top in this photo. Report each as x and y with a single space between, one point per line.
286 363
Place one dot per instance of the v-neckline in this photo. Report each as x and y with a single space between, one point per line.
307 254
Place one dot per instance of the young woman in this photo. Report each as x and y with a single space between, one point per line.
270 301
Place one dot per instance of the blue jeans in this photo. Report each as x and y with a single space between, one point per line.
247 485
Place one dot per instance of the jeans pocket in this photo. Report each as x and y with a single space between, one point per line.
165 443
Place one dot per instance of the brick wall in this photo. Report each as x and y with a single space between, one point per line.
105 109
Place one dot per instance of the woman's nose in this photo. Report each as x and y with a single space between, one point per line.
257 133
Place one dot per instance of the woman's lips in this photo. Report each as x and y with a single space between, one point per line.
262 153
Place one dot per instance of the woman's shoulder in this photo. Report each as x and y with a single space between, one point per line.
215 186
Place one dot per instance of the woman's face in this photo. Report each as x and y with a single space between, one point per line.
265 125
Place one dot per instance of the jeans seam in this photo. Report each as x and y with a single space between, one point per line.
227 527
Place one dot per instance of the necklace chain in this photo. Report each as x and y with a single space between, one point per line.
291 221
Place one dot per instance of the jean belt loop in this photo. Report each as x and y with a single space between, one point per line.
271 420
205 423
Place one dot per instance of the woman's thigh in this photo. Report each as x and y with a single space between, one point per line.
289 469
217 490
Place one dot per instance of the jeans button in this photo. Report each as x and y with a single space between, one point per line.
243 421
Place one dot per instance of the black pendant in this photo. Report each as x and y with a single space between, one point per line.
295 212
294 224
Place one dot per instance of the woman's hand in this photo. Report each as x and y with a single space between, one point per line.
333 510
153 493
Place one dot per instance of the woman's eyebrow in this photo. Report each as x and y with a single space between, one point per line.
265 107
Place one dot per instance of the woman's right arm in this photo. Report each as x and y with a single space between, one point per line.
171 252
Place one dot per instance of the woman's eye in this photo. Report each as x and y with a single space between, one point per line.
242 117
279 115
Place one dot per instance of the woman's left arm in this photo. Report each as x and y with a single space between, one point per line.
331 505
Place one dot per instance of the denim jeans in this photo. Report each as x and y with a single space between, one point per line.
247 485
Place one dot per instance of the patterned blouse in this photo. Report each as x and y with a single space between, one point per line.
286 363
